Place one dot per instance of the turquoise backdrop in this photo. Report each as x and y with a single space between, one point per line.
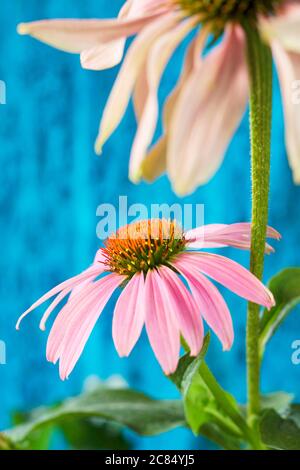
51 183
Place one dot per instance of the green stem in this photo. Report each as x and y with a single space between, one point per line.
260 72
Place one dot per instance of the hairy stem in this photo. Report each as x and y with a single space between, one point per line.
260 72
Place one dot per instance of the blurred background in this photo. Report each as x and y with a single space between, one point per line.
51 183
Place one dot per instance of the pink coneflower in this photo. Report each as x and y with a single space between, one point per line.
165 286
204 110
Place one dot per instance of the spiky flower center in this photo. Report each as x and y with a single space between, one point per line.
220 12
142 246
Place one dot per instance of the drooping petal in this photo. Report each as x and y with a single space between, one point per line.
129 316
159 56
210 302
104 56
288 66
140 93
83 322
155 161
220 235
184 308
231 275
124 85
60 326
207 113
75 36
161 326
283 27
59 298
79 287
90 273
203 237
99 262
154 165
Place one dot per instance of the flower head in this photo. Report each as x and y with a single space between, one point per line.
143 246
207 105
165 286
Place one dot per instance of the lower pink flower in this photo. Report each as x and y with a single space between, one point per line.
165 286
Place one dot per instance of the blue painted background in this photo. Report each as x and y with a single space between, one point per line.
50 185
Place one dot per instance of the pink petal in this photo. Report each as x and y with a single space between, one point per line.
217 235
90 274
59 298
83 322
124 85
104 56
203 237
129 317
79 287
210 302
184 308
159 56
161 326
232 275
284 28
288 66
60 326
208 112
154 163
77 35
140 93
99 258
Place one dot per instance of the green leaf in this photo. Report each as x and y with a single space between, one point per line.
93 434
203 411
80 434
6 443
285 287
193 368
281 433
126 407
188 365
214 434
197 397
294 414
201 407
39 439
278 401
197 402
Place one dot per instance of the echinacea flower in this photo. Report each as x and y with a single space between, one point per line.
205 108
165 286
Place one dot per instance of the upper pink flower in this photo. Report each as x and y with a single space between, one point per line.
150 260
205 108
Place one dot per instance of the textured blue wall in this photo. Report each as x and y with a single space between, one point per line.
51 184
